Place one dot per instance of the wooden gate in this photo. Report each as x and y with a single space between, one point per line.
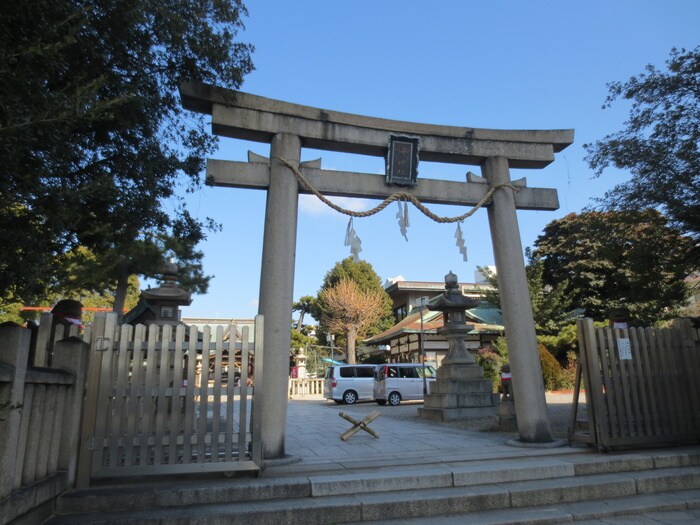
641 385
170 400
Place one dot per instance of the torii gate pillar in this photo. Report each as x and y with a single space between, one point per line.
528 386
276 288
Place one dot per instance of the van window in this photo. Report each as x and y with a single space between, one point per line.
392 371
365 371
408 372
347 371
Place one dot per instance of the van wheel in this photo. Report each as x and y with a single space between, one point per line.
381 401
349 397
394 399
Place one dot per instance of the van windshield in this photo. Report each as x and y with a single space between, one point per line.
427 371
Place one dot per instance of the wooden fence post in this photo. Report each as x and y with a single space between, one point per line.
43 340
100 342
72 356
14 354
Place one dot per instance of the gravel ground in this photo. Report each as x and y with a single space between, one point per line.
559 407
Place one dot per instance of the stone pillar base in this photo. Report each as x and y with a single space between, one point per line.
460 392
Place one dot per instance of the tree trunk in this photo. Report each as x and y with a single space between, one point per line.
120 292
351 336
300 321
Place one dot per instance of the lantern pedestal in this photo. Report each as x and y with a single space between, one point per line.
461 392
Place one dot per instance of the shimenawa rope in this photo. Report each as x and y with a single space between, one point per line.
398 196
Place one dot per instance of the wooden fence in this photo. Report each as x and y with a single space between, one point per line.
164 400
39 418
641 385
148 407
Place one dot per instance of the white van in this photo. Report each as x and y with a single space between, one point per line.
397 381
349 383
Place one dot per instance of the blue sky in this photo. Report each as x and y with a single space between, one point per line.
490 64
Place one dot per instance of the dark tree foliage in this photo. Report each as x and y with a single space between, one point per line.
367 279
616 260
93 141
550 306
660 144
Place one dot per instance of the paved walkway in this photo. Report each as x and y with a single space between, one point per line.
314 428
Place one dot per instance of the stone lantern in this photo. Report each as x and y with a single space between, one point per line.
460 391
301 364
453 305
160 305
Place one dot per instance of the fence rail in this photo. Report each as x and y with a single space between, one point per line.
641 385
305 387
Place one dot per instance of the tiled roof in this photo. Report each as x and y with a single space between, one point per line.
432 320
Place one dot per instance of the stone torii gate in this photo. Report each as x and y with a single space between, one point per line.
289 127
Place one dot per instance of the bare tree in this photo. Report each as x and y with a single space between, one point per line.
351 310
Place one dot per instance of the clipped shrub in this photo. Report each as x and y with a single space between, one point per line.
568 375
555 377
551 369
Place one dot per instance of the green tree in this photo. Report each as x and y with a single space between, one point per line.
660 143
93 139
79 283
561 343
550 305
363 274
616 260
75 282
305 343
305 305
11 311
550 309
147 255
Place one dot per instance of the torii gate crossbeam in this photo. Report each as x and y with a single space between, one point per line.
289 127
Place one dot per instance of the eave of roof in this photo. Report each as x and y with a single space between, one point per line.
432 320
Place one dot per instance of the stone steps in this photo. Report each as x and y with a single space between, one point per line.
493 488
668 507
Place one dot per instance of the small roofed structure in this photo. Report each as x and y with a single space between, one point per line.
160 305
